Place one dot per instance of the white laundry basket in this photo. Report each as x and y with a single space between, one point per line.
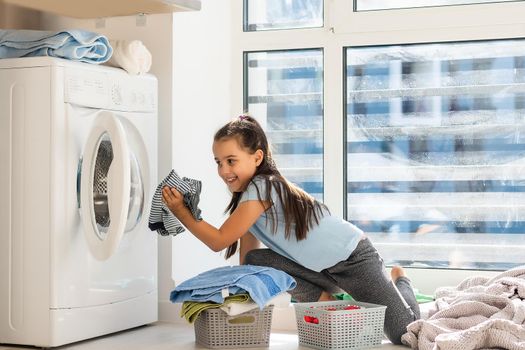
337 328
215 329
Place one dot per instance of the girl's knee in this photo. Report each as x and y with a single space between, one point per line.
395 331
395 338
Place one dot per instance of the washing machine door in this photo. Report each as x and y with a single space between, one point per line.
105 185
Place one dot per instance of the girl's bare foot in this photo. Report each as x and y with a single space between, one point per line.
325 296
396 272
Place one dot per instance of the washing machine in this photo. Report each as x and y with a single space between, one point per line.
78 160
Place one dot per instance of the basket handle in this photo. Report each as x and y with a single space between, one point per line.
240 320
311 320
311 316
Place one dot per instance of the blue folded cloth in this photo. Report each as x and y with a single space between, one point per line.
76 45
260 282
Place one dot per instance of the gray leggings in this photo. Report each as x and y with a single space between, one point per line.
362 275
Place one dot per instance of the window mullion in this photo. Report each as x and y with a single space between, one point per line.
333 126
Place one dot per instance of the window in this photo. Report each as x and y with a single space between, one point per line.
282 14
414 120
285 93
423 23
367 5
436 152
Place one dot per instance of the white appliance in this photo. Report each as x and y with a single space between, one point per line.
78 161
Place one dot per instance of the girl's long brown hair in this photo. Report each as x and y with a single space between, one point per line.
299 207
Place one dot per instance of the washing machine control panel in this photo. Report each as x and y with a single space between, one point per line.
111 89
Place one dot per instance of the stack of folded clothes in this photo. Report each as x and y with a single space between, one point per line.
234 289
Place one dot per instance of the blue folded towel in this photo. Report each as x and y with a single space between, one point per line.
260 282
76 45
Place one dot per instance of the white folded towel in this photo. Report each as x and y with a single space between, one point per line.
132 56
233 309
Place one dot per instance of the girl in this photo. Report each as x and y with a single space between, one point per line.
322 252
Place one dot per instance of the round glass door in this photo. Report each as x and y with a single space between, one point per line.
107 172
103 161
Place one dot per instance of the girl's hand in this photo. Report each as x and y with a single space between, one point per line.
173 199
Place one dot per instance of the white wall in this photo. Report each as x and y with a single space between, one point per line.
201 87
201 104
16 17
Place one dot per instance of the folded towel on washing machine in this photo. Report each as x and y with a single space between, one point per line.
161 218
74 44
132 56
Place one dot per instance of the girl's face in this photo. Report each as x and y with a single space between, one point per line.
235 165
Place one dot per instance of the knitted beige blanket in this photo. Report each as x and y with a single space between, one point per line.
480 313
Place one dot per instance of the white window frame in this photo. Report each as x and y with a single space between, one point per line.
429 24
344 28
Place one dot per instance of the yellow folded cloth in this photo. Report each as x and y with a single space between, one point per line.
192 309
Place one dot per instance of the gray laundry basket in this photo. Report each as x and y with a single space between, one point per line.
216 330
337 328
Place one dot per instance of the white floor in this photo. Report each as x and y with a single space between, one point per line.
170 336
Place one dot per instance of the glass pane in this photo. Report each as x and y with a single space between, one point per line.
436 153
103 161
282 14
285 93
367 5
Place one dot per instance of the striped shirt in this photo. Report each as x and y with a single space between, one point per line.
161 218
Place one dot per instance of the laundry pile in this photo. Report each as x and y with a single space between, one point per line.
161 218
480 313
234 289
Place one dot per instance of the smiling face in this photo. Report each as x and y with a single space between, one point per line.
235 165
